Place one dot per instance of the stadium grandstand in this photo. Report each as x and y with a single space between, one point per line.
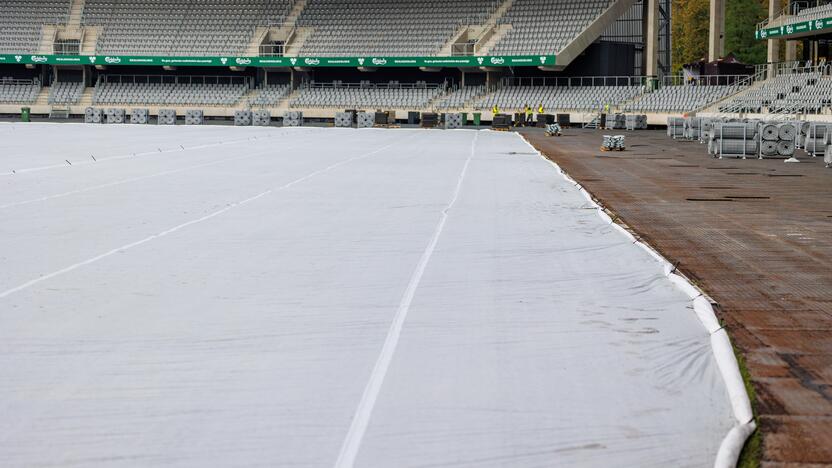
321 56
237 233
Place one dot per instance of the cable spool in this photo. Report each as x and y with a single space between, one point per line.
768 148
787 131
770 132
785 148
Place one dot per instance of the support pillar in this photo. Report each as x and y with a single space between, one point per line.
791 51
773 55
716 31
652 40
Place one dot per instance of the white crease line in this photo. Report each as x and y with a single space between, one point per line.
131 245
361 419
85 162
138 178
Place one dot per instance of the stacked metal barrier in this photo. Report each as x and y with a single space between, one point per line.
242 118
816 138
619 122
734 139
366 120
803 130
292 119
92 115
261 118
695 127
343 119
453 121
139 116
166 117
676 127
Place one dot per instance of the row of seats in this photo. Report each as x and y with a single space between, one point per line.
382 27
457 98
809 92
66 92
683 98
221 94
21 22
806 14
800 92
546 26
271 95
19 91
338 28
558 97
361 97
180 27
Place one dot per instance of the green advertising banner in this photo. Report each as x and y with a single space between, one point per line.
794 28
369 62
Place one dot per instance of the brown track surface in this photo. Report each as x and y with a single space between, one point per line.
757 237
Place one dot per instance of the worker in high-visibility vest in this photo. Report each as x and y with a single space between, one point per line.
540 109
529 114
495 110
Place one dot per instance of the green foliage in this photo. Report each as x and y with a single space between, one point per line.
741 18
691 21
690 31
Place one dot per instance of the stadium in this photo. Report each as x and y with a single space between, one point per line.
415 233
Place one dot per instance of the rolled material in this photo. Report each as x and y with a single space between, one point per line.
194 117
736 130
770 132
139 116
242 118
787 131
166 117
366 120
453 121
343 119
724 147
785 148
261 118
768 148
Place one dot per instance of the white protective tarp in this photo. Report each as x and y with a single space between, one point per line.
334 297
